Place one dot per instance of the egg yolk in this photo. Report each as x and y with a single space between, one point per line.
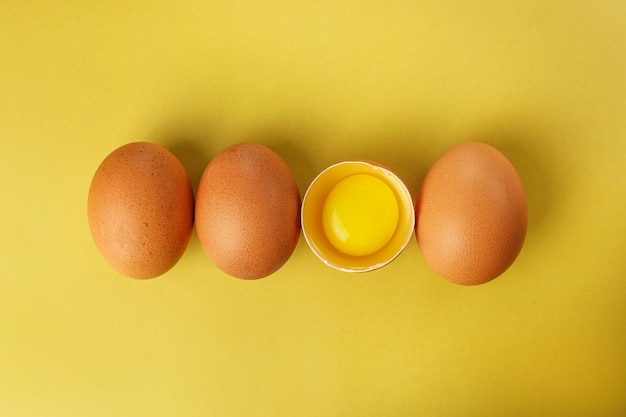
360 215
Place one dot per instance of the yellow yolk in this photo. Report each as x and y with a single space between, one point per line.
360 215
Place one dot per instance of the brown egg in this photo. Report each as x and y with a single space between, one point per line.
471 214
248 211
140 210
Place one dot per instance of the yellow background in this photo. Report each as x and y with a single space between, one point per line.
395 81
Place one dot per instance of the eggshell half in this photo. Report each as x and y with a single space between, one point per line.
471 214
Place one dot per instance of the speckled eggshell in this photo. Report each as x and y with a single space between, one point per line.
248 211
471 214
140 210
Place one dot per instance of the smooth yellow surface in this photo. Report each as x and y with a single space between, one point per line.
360 215
399 82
